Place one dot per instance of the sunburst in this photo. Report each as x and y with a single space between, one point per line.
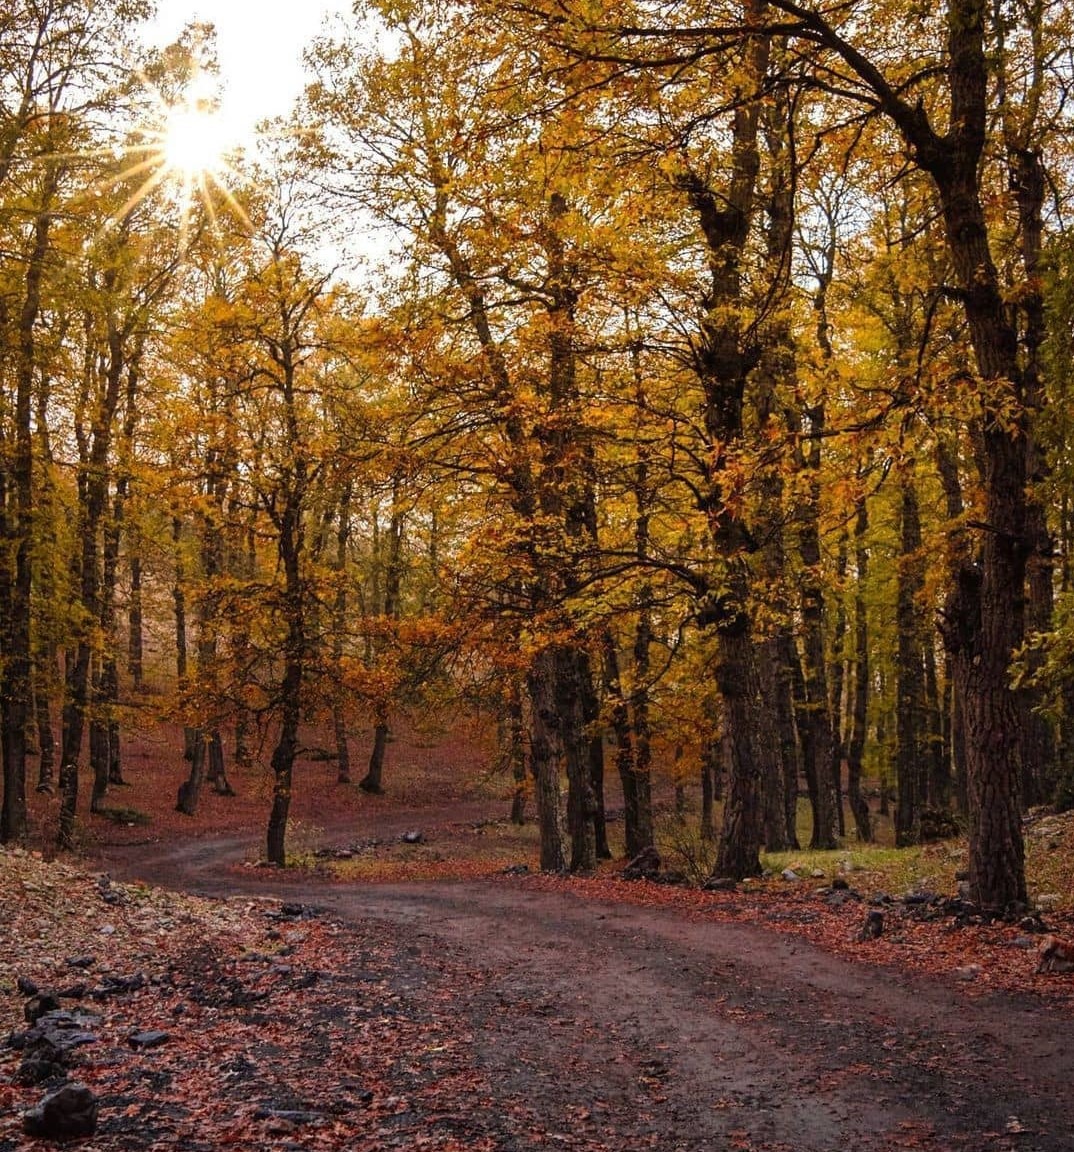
184 150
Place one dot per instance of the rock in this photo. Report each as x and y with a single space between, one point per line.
27 987
414 837
69 1113
1048 901
970 972
80 961
117 985
671 877
873 926
39 1005
720 884
644 866
839 884
38 1069
1024 942
516 870
817 874
73 991
142 1041
789 874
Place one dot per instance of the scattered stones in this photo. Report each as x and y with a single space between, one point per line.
69 1113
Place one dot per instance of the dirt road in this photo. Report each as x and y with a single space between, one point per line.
632 1028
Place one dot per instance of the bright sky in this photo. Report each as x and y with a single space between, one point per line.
259 44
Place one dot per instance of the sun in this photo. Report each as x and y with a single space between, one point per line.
193 142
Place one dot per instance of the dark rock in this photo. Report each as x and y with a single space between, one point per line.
671 877
80 961
917 899
881 900
292 911
306 980
720 884
873 927
412 838
62 1031
38 1069
840 884
73 991
27 987
936 824
644 866
1033 923
39 1005
516 870
142 1041
118 985
69 1113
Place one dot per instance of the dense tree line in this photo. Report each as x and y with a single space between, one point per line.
707 407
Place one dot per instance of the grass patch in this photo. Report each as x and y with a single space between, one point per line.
128 817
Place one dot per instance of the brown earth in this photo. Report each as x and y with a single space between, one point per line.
602 1015
602 1023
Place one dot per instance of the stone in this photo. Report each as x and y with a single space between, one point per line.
27 987
817 874
69 1113
720 884
39 1005
644 866
970 972
412 838
142 1041
873 926
789 874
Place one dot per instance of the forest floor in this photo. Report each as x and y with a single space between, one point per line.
394 995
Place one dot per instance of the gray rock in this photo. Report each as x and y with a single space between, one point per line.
145 1040
789 874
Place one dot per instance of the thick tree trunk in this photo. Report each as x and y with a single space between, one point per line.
373 780
544 759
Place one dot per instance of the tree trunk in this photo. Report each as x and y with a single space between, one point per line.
910 751
859 806
135 627
544 759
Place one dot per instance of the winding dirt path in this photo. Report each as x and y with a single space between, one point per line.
633 1028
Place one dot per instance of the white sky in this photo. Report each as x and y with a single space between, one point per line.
259 45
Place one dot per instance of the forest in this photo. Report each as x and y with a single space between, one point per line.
683 388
